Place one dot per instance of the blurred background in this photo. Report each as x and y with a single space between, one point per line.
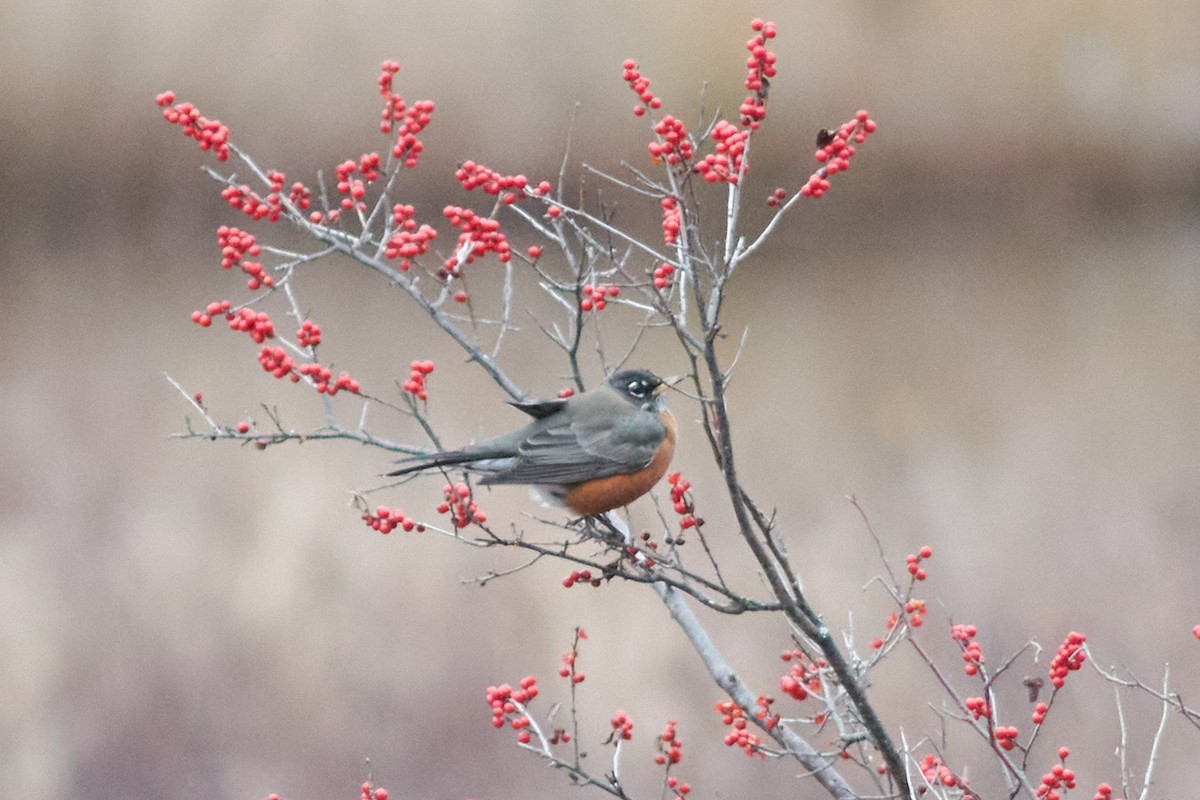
987 332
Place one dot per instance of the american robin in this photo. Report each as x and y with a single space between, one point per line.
592 452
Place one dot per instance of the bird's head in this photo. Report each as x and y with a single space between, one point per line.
641 387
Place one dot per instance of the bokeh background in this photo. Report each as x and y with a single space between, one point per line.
988 333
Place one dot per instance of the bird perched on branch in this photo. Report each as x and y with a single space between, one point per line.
592 452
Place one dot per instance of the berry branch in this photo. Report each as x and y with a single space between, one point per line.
374 233
606 286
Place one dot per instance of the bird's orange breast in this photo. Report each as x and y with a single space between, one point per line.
604 494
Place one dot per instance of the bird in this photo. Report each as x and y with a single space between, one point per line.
591 453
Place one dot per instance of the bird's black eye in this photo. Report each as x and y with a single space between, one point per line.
641 388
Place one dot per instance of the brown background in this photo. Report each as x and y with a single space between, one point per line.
987 332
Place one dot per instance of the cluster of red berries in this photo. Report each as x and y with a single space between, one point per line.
276 361
204 318
473 176
324 381
330 218
671 745
416 119
300 195
1058 780
664 276
760 66
671 748
913 560
672 220
1070 657
309 334
916 611
681 788
355 188
366 792
246 200
386 520
776 197
567 670
641 87
595 298
892 619
258 276
1006 736
209 134
387 73
936 772
835 152
972 653
257 324
504 701
1039 713
763 712
1103 792
622 726
804 677
235 244
733 716
409 240
581 576
685 507
962 633
725 163
681 496
411 121
674 144
415 385
978 707
481 233
460 506
368 165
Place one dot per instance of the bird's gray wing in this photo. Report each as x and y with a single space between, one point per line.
592 446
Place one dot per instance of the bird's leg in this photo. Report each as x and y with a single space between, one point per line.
617 525
598 526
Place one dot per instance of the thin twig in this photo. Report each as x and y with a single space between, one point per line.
1152 759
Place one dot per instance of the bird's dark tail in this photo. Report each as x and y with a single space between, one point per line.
432 461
